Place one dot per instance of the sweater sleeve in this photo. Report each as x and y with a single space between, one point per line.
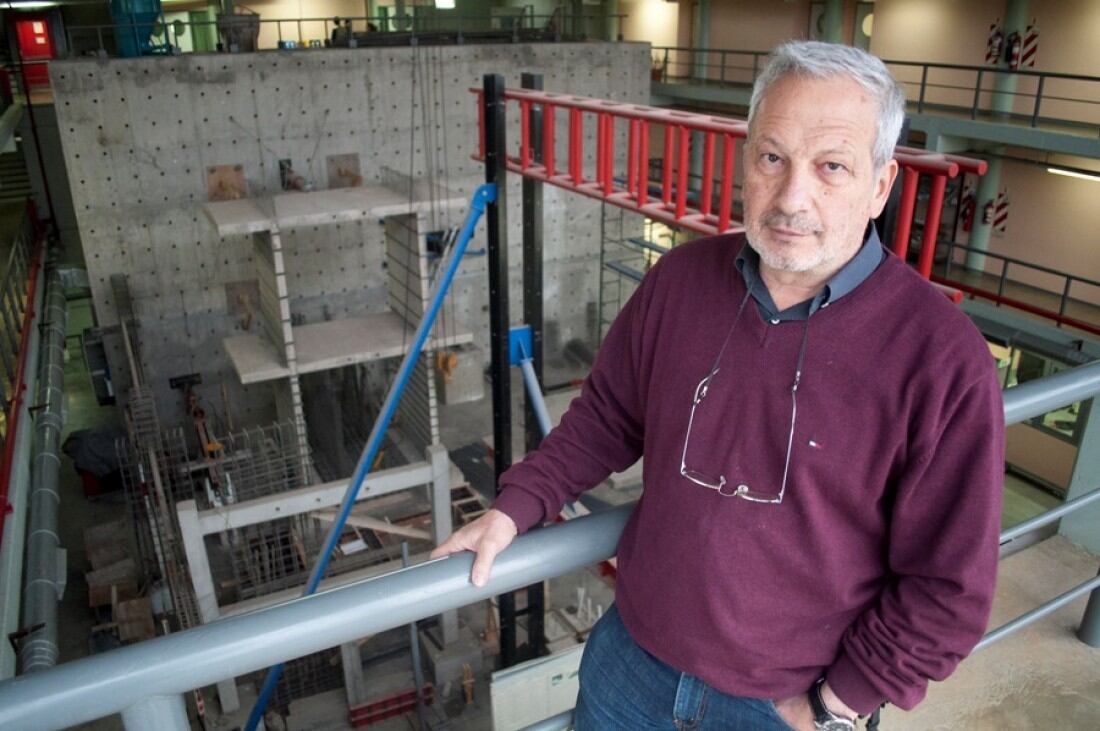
943 552
600 433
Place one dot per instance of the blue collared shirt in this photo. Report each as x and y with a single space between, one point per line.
850 276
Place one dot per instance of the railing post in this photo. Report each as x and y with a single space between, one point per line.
1001 283
664 68
162 712
722 72
923 86
977 95
496 157
1038 101
1089 631
1065 298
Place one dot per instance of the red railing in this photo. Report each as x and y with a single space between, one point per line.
629 188
915 162
31 236
600 175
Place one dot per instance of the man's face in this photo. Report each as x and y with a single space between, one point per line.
810 184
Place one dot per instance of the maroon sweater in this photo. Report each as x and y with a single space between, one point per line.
878 567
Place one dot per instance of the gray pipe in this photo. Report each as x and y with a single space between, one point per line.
97 686
45 557
1046 394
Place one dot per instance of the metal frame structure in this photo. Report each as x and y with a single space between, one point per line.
195 525
145 682
598 176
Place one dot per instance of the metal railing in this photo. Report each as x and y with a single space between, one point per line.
424 24
17 289
146 681
1038 96
18 426
1059 317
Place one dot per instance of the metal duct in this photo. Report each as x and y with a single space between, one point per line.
45 577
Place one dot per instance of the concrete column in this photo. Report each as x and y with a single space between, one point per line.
1083 527
988 185
1004 85
832 22
441 522
162 712
700 38
354 683
202 583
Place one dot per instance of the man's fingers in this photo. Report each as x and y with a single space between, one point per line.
486 554
455 543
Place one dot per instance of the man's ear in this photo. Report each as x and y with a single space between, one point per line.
884 182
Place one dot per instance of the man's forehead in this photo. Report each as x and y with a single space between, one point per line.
834 111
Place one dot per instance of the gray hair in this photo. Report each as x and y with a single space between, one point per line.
826 60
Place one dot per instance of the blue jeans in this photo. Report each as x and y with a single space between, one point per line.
624 688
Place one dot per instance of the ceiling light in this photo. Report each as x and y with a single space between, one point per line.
445 4
1095 177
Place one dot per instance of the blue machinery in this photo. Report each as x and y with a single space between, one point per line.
484 195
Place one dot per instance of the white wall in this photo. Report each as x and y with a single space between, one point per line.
653 21
953 31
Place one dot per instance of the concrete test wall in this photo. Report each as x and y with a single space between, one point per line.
139 135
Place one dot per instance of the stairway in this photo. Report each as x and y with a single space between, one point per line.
15 183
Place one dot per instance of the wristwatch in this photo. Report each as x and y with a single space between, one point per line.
824 719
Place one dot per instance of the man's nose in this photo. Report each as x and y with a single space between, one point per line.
795 191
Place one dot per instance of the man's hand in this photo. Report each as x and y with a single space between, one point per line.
487 536
796 712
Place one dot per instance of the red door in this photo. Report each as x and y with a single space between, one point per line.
36 48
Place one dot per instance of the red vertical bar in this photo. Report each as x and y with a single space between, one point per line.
524 134
643 165
575 145
609 160
682 172
481 125
905 212
601 147
725 196
931 226
666 167
548 138
708 174
632 159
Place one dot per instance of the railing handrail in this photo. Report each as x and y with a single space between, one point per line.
1021 262
896 62
100 685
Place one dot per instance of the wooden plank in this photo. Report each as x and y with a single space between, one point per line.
363 521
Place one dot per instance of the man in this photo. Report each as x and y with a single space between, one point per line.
823 441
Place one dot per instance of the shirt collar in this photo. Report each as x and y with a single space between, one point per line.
850 276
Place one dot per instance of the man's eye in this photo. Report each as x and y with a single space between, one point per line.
771 158
834 167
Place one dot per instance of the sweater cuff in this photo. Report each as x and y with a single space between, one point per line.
522 507
852 686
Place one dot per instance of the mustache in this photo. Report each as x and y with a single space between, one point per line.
800 223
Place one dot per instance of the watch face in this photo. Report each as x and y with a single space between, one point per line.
837 724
